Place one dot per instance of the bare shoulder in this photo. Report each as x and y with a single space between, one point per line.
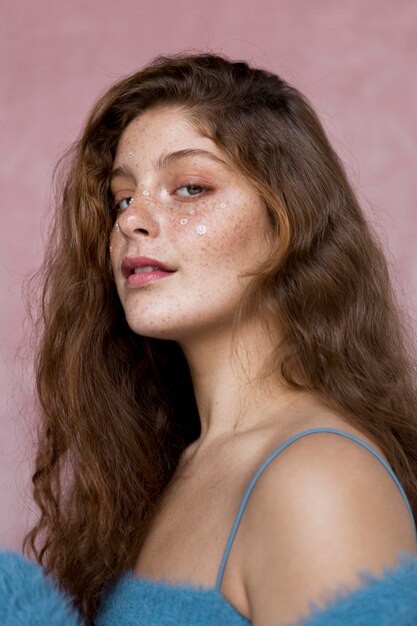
321 511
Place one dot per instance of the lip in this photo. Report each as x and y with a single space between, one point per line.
129 264
139 280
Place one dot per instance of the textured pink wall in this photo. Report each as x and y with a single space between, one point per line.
355 60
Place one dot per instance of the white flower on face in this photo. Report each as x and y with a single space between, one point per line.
201 229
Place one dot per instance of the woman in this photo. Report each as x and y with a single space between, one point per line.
217 323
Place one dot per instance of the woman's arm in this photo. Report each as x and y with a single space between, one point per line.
386 600
323 511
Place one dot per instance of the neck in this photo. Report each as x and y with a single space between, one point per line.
231 389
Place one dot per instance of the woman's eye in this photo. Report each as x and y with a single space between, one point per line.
193 190
124 203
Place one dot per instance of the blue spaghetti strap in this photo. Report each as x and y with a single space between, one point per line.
271 457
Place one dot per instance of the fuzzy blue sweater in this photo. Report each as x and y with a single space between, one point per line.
27 597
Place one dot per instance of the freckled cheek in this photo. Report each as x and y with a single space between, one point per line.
223 246
235 234
239 235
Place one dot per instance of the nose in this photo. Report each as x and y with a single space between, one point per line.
139 218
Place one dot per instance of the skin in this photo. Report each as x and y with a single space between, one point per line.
288 550
195 306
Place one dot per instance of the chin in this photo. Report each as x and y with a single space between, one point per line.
157 331
177 323
172 332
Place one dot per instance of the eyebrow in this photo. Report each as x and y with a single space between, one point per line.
124 171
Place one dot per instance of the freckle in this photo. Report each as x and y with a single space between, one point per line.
223 206
191 211
201 229
183 221
145 192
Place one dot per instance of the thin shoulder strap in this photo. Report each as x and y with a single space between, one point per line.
271 457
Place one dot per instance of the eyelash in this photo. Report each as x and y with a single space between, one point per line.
194 185
202 187
117 204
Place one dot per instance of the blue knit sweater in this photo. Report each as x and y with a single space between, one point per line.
390 600
27 597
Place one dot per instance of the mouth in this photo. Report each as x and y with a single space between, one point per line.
142 265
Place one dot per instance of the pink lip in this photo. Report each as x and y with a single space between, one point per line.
130 263
137 280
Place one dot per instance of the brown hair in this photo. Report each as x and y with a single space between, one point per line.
117 409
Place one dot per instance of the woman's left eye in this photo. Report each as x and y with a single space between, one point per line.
128 201
194 190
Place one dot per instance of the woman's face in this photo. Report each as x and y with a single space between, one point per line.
180 202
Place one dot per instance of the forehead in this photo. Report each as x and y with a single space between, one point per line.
163 128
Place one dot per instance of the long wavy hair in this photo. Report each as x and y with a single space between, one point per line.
116 408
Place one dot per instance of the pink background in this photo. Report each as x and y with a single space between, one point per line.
355 60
